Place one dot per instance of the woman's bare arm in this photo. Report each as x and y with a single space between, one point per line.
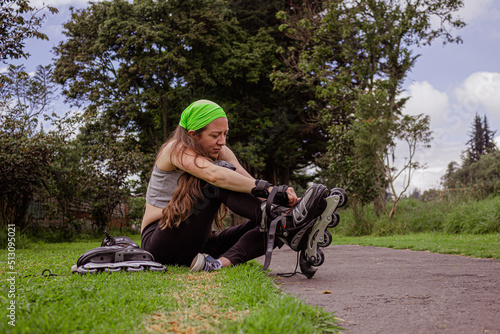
204 169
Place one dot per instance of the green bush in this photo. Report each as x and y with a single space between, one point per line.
475 217
452 214
418 216
136 208
412 216
356 224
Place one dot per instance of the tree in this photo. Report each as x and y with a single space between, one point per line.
486 173
481 140
275 126
414 130
489 137
108 163
26 150
448 179
19 21
480 178
147 60
31 96
40 165
415 193
356 55
479 172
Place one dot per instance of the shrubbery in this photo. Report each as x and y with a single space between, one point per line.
43 163
449 215
474 217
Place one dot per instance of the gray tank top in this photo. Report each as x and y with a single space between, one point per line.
161 187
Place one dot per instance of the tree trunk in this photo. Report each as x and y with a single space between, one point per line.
393 210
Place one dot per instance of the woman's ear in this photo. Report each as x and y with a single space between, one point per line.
193 134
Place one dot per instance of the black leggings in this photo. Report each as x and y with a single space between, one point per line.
238 244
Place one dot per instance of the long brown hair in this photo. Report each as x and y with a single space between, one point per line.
189 188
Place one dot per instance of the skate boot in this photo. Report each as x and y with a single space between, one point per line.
303 227
311 256
116 254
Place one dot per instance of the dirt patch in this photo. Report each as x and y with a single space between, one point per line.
196 310
381 290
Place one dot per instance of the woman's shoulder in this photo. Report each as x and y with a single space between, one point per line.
174 156
164 160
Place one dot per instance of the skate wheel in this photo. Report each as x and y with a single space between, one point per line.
305 266
135 269
327 239
84 271
157 268
335 220
342 194
112 270
319 259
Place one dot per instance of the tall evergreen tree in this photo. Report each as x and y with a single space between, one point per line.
489 137
481 140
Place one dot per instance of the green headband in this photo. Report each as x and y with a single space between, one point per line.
199 114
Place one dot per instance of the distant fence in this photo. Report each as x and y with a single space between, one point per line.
48 212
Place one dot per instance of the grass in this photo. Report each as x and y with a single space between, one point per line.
242 299
474 245
238 299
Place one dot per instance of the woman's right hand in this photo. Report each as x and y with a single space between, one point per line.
292 196
288 198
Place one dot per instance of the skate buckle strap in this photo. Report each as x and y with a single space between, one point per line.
108 241
281 196
260 189
271 236
278 196
118 241
270 241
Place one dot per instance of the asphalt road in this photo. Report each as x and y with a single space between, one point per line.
381 290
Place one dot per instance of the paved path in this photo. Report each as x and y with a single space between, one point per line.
381 290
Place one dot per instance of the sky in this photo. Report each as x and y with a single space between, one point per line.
450 83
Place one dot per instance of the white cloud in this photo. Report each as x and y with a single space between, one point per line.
475 10
447 119
480 89
436 159
426 99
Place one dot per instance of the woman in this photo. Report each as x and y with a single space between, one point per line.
186 191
